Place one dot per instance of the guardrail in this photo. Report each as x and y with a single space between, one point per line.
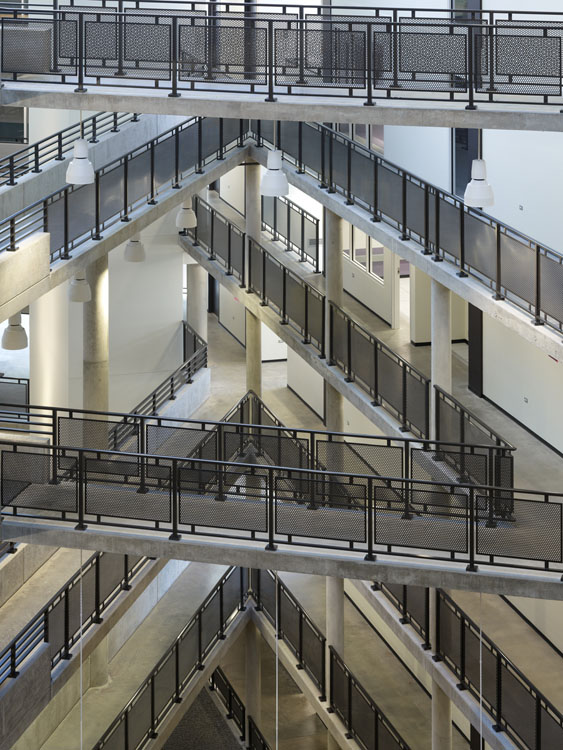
348 699
54 147
256 740
104 576
384 53
14 391
78 214
236 710
140 719
294 227
514 266
518 708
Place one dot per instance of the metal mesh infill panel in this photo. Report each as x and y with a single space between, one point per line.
26 483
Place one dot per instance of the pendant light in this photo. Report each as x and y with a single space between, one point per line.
478 193
14 336
79 289
186 218
135 250
80 170
274 182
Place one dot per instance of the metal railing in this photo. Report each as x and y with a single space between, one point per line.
370 54
348 699
14 391
295 627
365 722
236 710
140 719
294 227
513 265
515 704
104 576
79 214
7 548
54 147
256 740
191 342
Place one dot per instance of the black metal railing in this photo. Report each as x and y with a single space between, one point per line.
7 548
295 627
256 740
140 719
104 576
236 710
364 721
54 147
14 392
515 704
516 267
79 214
191 342
294 227
366 53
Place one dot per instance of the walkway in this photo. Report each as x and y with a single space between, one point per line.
134 661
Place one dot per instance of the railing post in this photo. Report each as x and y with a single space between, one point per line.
199 642
80 63
13 661
12 180
64 254
176 184
125 585
370 505
405 235
59 156
143 489
94 139
175 536
404 400
199 165
349 201
97 596
125 216
471 71
221 614
56 22
153 733
271 73
174 61
120 72
472 527
152 200
436 257
498 285
80 526
537 316
461 684
461 273
348 377
498 708
369 69
301 53
36 168
54 441
178 681
271 514
97 235
66 655
427 645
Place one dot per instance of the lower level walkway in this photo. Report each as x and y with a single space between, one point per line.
202 728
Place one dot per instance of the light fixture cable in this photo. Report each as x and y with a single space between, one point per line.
81 660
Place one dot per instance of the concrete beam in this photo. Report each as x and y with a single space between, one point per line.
433 114
316 561
545 338
117 234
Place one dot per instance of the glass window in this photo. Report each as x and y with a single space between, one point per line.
360 134
13 125
346 238
376 258
464 6
376 137
360 247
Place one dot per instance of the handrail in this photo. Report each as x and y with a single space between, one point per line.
517 725
472 49
284 231
193 631
53 147
38 629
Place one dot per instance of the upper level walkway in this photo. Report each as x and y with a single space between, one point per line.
289 62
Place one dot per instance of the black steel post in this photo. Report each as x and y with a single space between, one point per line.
66 653
175 535
405 235
125 216
125 585
64 254
498 708
349 378
271 71
80 62
472 527
461 272
153 733
471 71
369 67
271 513
97 219
370 506
152 200
97 595
36 168
537 315
81 492
175 61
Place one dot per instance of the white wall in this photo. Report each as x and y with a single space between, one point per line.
381 296
49 359
306 382
524 381
426 152
420 310
233 317
231 187
546 615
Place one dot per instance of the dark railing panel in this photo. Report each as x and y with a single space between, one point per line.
14 391
294 227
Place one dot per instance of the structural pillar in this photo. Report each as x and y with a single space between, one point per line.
95 339
49 348
253 672
197 293
253 325
334 291
441 367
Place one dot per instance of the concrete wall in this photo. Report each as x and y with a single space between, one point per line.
381 296
17 568
524 381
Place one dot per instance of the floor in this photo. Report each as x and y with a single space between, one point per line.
202 728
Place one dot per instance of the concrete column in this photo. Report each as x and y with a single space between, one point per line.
441 719
253 354
95 338
99 665
334 289
441 367
253 672
49 348
197 291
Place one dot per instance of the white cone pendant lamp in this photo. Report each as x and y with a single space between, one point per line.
80 170
274 182
135 250
79 289
14 336
186 218
478 193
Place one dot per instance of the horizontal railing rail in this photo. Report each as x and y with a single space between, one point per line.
365 722
294 227
75 215
236 710
510 698
104 576
54 147
144 713
295 627
515 266
370 54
